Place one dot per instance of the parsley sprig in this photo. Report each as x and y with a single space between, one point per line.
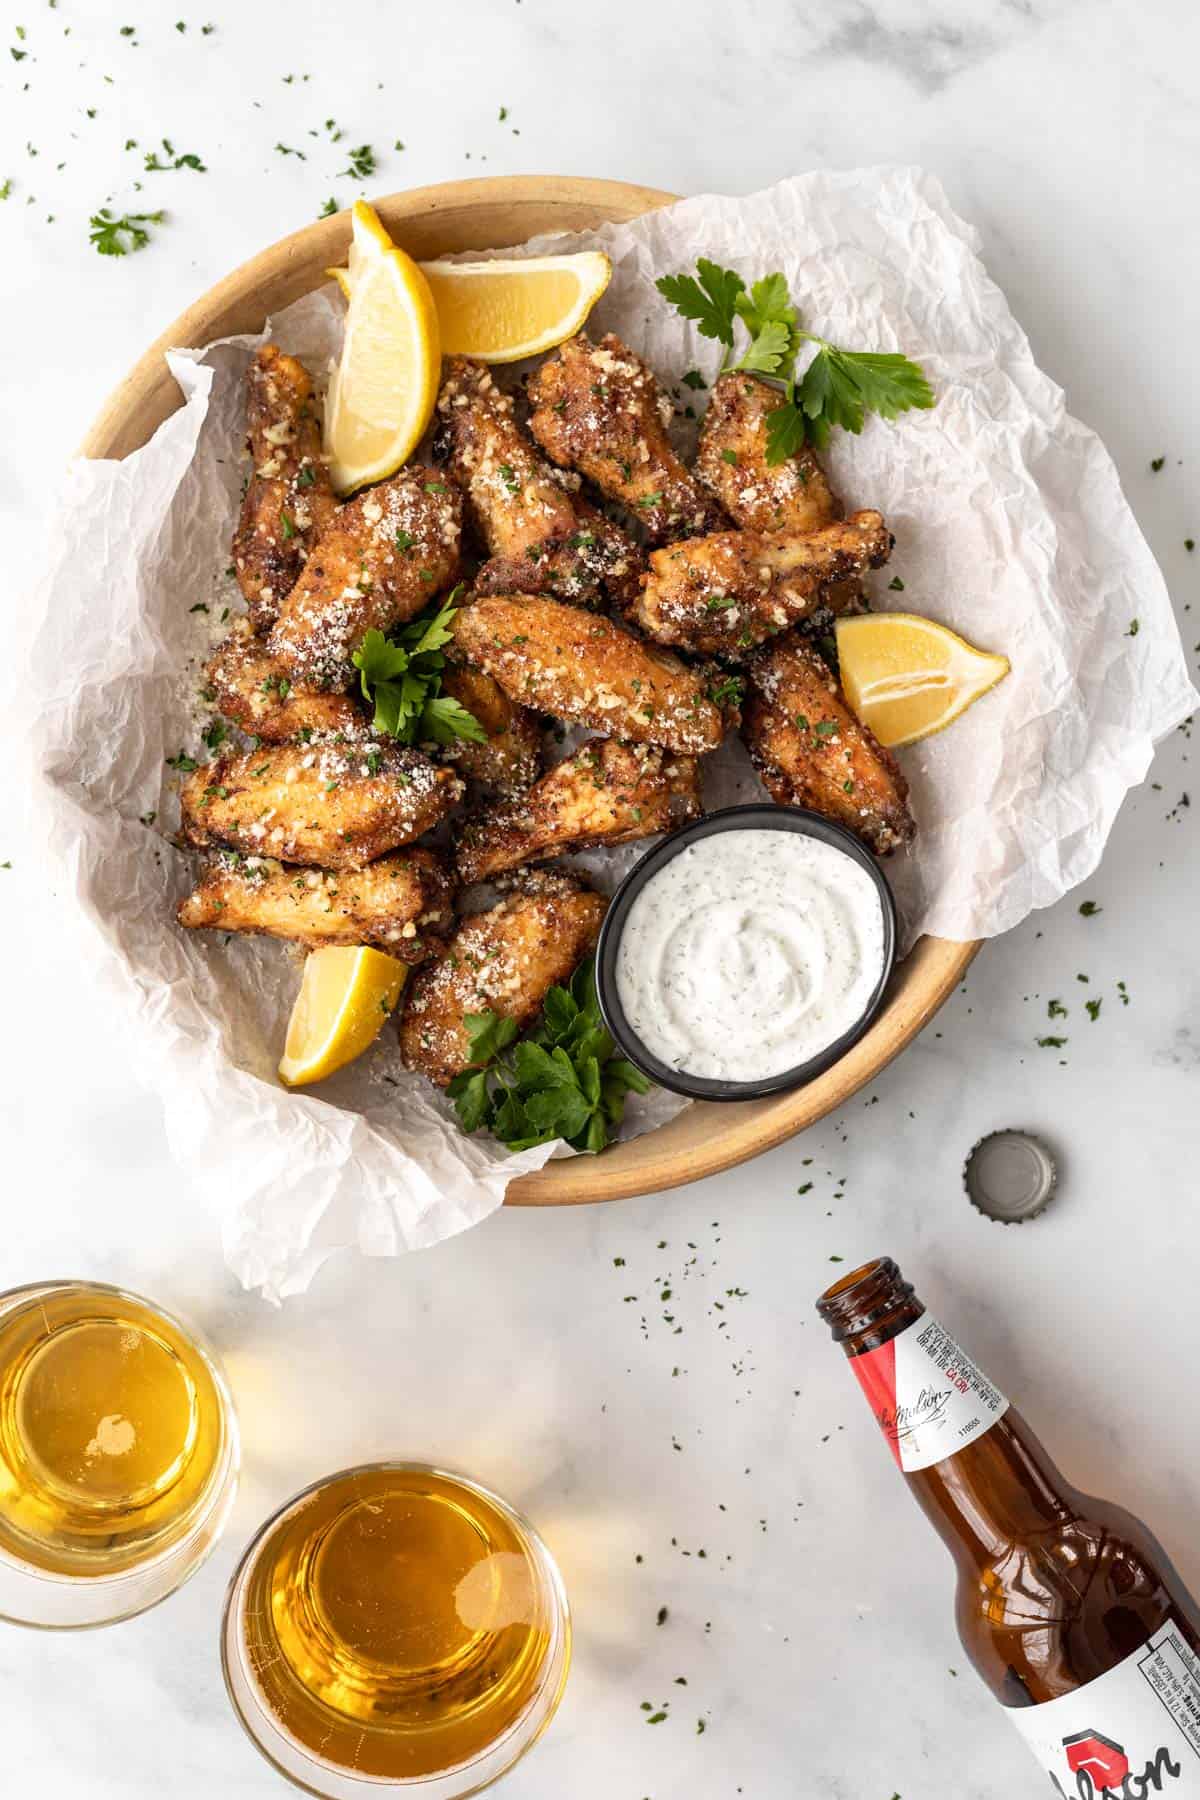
118 237
838 387
403 676
562 1081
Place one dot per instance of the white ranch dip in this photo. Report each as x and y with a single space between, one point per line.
749 953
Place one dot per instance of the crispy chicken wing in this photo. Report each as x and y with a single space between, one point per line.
540 538
606 793
726 593
561 660
811 750
380 561
329 805
515 500
253 689
402 904
731 461
511 760
598 409
288 499
502 961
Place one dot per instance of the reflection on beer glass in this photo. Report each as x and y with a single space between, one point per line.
118 1454
395 1627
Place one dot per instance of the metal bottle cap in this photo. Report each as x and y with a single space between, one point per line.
1010 1177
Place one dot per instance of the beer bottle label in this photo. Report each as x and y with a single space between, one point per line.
1131 1734
929 1397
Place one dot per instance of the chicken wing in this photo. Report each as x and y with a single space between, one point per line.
596 561
598 409
503 961
724 594
810 750
540 538
288 499
380 561
402 904
606 793
253 689
516 502
511 760
561 660
731 461
332 806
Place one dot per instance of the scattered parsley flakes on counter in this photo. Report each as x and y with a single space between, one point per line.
1093 1009
563 1080
120 237
839 387
896 585
329 208
362 163
189 160
1134 627
1088 909
402 675
1056 1010
1051 1043
6 187
1156 463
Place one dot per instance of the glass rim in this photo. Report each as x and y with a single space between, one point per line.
218 1501
385 1784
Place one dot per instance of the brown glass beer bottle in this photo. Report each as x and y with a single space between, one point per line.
1067 1606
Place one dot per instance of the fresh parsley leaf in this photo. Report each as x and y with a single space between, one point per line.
711 301
561 1081
839 387
767 349
120 237
443 719
402 675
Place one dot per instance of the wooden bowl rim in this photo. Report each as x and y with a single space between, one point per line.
704 1139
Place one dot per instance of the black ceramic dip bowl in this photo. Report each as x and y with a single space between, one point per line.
735 818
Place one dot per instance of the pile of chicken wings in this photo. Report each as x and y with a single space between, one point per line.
694 616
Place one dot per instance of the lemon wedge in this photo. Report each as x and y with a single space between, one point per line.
383 390
501 311
907 677
345 996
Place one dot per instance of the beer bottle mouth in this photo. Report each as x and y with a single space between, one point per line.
862 1299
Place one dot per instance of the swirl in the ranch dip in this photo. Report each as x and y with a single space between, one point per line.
749 953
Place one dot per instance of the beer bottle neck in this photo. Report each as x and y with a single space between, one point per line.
975 1468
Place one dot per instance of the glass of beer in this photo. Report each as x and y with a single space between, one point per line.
395 1627
118 1454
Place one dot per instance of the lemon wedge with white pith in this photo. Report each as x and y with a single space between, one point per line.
345 996
503 310
907 677
382 393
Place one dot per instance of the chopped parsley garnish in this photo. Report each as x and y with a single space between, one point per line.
1156 463
694 379
119 237
562 1081
730 456
839 387
1051 1043
328 209
1135 625
189 160
183 762
287 525
362 163
402 675
1093 1009
650 499
287 150
1088 909
896 585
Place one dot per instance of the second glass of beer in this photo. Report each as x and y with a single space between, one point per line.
395 1627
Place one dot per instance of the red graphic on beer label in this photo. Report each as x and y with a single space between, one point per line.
927 1394
1105 1762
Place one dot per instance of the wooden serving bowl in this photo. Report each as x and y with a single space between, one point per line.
484 215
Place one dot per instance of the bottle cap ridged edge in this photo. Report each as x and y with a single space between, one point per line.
977 1195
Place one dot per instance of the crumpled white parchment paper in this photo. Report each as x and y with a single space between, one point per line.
1010 526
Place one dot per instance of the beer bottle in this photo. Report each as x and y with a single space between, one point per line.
1067 1606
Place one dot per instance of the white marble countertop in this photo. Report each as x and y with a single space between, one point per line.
816 1638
